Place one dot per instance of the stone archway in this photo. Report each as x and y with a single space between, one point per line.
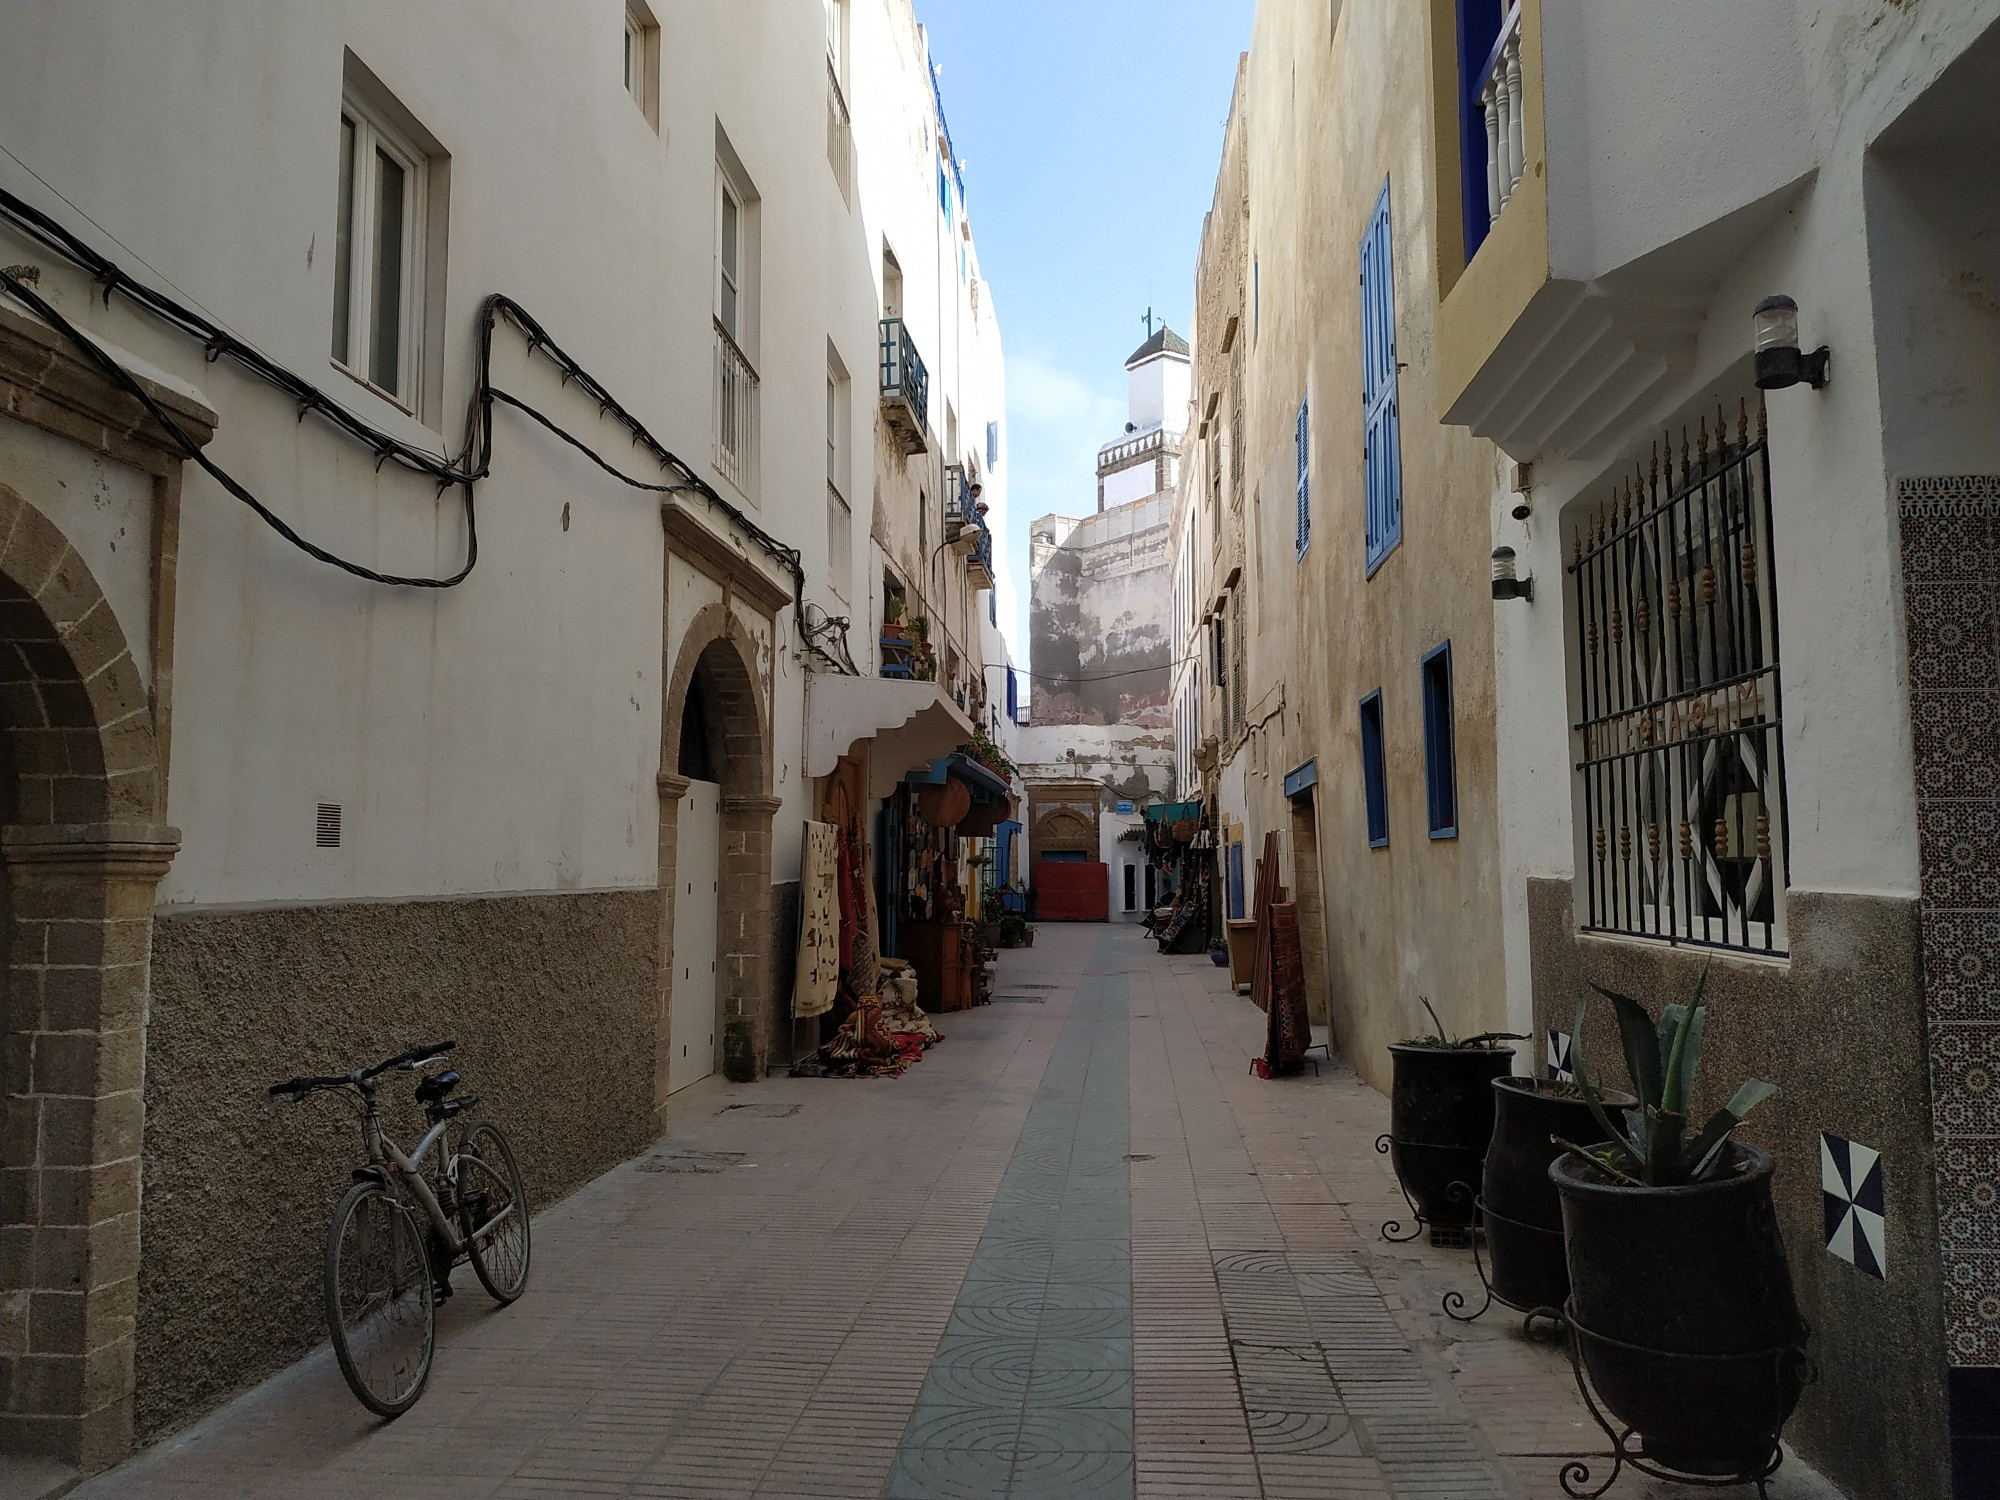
717 645
83 848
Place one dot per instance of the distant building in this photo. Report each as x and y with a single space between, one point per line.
1101 641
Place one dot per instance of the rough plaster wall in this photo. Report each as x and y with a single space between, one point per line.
1874 1422
550 998
1100 609
1420 916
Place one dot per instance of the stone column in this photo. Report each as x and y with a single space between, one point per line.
744 941
80 916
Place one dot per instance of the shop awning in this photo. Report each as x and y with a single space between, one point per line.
911 723
1173 812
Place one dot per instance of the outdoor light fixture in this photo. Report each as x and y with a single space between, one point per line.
1779 362
1505 584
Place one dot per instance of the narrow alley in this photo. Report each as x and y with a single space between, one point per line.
1081 1251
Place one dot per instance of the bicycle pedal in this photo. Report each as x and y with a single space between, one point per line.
441 1291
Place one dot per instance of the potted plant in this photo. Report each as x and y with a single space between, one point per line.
1012 925
892 619
1441 1122
1520 1214
1681 1308
1218 954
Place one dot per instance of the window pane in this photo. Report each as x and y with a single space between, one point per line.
631 72
343 245
729 227
385 359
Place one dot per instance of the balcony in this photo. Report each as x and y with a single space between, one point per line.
839 136
735 412
906 388
979 565
1603 197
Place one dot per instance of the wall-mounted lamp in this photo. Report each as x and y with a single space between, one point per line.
1779 362
1505 584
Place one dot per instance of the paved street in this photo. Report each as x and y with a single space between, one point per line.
1077 1252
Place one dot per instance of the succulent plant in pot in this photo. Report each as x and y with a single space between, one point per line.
1441 1122
1681 1306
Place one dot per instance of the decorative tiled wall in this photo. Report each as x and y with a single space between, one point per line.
1951 583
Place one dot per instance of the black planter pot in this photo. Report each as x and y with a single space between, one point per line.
1522 1218
1682 1312
1440 1123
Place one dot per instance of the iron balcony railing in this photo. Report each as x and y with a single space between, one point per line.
735 411
839 134
1500 99
979 566
906 385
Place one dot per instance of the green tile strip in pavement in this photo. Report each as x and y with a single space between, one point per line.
1030 1391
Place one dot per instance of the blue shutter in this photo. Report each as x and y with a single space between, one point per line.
1382 460
1374 773
1305 479
1440 756
992 446
1013 697
1236 881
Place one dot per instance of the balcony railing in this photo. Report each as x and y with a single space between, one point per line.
906 387
735 411
1500 99
839 135
979 566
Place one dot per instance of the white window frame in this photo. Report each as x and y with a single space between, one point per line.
642 60
727 192
371 136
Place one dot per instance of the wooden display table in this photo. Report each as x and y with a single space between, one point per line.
944 962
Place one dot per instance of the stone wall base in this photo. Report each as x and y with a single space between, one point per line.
550 998
1839 1027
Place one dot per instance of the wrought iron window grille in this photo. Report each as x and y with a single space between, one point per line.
1680 736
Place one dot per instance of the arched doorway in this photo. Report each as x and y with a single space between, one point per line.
83 850
715 775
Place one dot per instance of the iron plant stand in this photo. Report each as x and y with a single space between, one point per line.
1444 1236
1454 1302
1625 1449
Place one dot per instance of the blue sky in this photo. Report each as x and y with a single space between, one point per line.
1090 130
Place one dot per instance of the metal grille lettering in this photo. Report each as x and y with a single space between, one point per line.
1680 734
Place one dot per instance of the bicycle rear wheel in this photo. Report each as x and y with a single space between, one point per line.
493 1208
380 1307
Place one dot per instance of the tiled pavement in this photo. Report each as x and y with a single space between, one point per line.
1078 1252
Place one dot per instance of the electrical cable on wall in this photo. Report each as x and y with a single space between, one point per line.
825 635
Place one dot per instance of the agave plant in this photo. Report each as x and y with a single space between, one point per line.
1653 1149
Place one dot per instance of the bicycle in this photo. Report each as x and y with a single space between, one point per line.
386 1267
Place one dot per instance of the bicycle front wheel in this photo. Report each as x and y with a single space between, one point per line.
380 1306
493 1207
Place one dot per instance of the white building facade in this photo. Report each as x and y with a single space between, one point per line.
297 816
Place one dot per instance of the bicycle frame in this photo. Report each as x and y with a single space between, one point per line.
405 1172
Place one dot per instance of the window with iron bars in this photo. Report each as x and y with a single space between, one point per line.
1680 775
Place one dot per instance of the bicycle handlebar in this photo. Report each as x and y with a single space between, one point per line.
298 1088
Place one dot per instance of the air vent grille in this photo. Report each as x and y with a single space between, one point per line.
327 835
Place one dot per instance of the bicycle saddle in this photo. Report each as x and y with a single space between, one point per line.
437 1085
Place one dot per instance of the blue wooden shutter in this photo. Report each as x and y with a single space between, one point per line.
1382 453
1374 771
1440 761
1305 480
1013 697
